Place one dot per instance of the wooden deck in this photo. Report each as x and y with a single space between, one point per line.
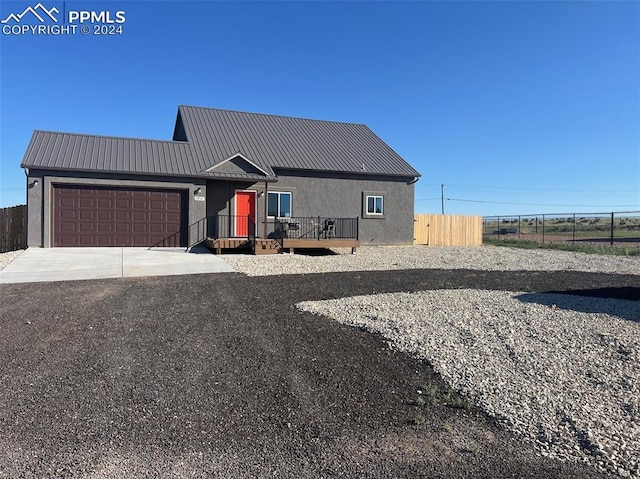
262 246
291 244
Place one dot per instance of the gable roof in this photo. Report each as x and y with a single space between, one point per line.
206 138
292 143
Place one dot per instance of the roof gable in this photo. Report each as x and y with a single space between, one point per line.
238 164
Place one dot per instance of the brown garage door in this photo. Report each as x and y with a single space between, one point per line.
99 216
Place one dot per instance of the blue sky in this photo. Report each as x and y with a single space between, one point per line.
516 107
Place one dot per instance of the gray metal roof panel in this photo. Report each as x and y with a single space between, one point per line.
214 136
292 143
92 152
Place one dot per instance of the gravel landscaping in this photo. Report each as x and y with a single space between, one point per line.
6 258
486 258
221 375
566 379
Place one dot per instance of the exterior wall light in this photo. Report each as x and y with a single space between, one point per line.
197 191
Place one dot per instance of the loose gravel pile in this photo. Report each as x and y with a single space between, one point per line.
6 258
565 378
489 258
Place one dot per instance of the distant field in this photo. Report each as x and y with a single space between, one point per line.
563 229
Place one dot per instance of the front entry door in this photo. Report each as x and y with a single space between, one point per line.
245 208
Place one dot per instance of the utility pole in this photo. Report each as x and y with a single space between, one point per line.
442 196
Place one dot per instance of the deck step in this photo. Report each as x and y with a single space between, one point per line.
266 246
227 243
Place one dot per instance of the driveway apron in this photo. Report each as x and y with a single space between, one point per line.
69 264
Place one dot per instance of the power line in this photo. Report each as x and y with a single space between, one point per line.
558 190
535 204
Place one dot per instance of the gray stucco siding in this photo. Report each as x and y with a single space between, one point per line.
329 196
40 196
343 197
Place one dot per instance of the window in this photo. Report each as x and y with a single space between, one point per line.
375 205
278 204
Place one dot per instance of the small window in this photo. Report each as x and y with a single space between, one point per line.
375 205
278 204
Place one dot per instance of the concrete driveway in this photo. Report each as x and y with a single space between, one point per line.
68 264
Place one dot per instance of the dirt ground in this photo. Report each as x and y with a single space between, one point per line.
221 376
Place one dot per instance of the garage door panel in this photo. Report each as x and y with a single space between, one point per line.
86 240
69 214
104 240
67 227
68 202
141 240
101 216
71 240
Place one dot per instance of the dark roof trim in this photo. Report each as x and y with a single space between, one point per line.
205 176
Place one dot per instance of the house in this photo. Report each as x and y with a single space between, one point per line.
226 177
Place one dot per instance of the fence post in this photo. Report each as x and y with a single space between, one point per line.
574 230
519 228
542 229
612 228
498 228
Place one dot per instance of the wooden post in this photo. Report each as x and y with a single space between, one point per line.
266 205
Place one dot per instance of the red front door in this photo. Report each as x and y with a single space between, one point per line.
245 209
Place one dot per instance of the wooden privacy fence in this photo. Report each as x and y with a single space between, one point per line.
447 230
13 228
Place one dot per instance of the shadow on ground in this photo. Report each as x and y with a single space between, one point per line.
622 302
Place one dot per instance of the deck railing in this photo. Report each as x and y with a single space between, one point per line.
315 227
218 226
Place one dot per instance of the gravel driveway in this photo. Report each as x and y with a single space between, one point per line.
222 376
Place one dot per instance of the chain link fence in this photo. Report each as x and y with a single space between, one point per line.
619 228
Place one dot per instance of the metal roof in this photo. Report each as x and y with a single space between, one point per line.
213 137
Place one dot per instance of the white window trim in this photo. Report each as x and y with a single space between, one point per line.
373 213
290 203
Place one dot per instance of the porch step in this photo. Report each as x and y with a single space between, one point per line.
227 243
266 246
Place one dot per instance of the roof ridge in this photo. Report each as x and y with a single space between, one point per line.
113 137
272 115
